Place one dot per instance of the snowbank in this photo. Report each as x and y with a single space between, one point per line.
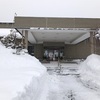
22 77
90 72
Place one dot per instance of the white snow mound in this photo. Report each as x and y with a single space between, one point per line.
22 77
90 72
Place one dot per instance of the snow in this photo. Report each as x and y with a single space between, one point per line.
90 72
18 36
22 77
5 32
66 85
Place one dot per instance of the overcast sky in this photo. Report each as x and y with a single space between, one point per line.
48 8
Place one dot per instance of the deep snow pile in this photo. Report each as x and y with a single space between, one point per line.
90 72
22 77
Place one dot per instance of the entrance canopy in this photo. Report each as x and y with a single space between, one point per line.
68 36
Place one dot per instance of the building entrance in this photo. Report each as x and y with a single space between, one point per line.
53 53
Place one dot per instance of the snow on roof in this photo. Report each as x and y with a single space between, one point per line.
5 32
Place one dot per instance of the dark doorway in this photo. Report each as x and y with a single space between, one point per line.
31 50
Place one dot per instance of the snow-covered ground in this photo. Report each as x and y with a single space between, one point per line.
65 83
22 77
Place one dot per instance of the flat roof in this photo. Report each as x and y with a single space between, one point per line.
51 22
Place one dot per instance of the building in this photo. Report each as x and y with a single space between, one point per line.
54 38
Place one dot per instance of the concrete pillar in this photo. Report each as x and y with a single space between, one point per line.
26 39
38 51
23 38
92 42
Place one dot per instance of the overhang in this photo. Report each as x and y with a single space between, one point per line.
67 36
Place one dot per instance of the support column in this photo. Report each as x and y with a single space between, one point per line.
26 39
38 51
92 42
23 39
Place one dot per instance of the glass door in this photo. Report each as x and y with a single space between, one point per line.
53 54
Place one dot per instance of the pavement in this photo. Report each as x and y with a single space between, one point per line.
64 83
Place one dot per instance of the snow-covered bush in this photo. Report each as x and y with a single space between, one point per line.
11 41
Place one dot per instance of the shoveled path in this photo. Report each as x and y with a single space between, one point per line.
64 83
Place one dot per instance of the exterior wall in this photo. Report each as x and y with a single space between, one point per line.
27 22
71 51
97 46
39 48
6 25
95 43
80 50
56 44
92 42
38 51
